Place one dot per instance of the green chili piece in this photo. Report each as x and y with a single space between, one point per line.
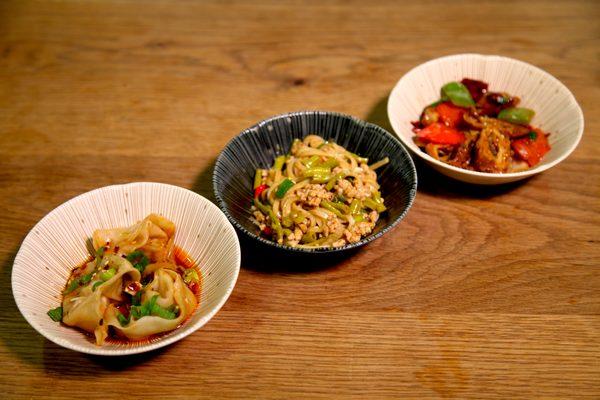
258 178
517 115
56 314
286 231
458 94
342 207
321 178
311 161
316 171
359 158
322 144
329 163
279 161
331 183
274 220
329 206
308 237
355 206
373 205
358 218
283 187
287 221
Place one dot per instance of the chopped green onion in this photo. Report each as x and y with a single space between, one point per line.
458 94
340 206
56 314
321 178
322 144
95 285
136 299
532 135
190 275
85 279
122 320
72 286
283 187
139 260
100 252
106 275
516 115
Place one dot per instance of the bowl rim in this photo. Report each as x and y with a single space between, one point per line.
320 250
501 176
162 342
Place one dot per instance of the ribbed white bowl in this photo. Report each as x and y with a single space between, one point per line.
557 111
58 243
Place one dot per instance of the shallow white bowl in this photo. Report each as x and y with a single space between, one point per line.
58 243
557 111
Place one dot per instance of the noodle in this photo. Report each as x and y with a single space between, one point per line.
319 195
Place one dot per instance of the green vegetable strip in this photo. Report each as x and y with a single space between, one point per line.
311 161
279 161
373 205
274 221
139 260
329 206
287 221
516 115
330 163
342 207
283 187
258 178
458 94
95 286
335 178
358 218
321 178
56 314
355 206
313 171
359 158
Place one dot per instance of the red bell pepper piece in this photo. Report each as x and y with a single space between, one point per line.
440 134
531 148
259 189
268 231
450 114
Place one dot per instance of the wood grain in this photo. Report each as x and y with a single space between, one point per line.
478 293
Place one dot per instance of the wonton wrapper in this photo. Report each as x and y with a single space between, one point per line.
153 235
171 289
85 308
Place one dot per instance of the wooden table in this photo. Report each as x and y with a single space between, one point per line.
479 293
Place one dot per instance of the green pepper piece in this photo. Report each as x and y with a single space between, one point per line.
358 158
516 115
311 161
355 206
275 224
283 187
458 94
316 171
56 314
257 178
329 163
321 178
278 164
373 205
329 206
358 218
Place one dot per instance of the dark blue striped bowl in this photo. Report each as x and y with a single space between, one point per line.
259 145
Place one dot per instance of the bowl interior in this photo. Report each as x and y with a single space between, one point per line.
557 111
258 146
59 242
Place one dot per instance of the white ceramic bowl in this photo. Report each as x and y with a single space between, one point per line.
557 111
57 244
